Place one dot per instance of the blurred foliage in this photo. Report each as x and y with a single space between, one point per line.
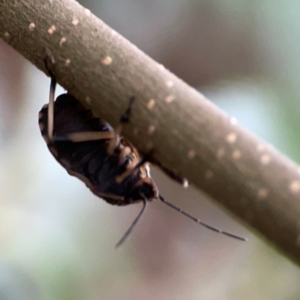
57 239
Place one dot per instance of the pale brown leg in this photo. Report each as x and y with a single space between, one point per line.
51 108
84 136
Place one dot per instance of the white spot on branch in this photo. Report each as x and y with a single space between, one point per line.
231 138
260 147
185 183
62 41
233 121
161 67
151 104
87 11
52 29
151 129
149 146
262 193
236 154
295 186
209 174
170 98
67 62
265 159
191 154
107 60
88 100
169 83
220 152
75 22
31 26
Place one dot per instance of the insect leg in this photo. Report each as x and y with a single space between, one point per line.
127 233
84 136
181 180
49 62
51 108
120 178
118 130
110 196
76 136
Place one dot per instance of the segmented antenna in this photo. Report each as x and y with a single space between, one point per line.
200 222
128 232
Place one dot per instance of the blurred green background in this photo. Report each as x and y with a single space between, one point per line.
57 239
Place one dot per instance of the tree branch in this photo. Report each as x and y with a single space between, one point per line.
189 134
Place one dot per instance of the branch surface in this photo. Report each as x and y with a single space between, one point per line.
189 135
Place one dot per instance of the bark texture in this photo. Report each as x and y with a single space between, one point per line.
189 135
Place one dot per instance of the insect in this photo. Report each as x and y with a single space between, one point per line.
91 150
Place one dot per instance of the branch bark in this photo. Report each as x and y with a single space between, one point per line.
189 134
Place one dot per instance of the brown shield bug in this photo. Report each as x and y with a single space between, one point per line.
91 150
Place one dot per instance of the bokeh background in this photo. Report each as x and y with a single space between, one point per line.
57 239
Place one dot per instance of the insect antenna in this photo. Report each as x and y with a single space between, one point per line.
200 222
128 232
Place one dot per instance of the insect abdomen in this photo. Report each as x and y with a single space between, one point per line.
88 160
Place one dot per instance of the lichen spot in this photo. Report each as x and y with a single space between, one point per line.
151 104
260 147
67 62
191 154
185 183
262 193
107 60
161 67
149 146
31 26
236 154
169 83
231 138
233 121
6 35
295 186
62 41
170 98
151 129
220 152
209 174
88 100
265 159
52 29
75 22
87 11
